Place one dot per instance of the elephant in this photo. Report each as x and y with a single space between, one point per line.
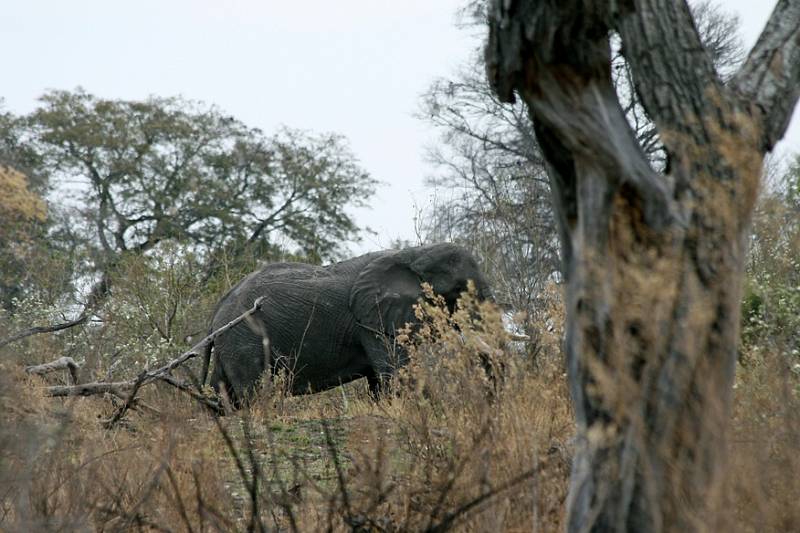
329 325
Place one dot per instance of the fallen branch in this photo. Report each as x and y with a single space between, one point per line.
118 388
123 388
62 363
111 422
212 404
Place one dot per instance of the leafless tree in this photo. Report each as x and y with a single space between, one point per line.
491 188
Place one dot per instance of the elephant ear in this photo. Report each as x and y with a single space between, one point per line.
384 294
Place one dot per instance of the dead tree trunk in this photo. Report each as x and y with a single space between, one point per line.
653 261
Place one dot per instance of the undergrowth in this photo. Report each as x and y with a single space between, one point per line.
475 435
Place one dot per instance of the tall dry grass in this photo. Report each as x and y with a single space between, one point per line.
475 437
471 438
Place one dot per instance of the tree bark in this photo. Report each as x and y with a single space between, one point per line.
653 263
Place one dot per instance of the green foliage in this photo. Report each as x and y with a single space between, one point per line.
172 169
771 305
157 304
161 176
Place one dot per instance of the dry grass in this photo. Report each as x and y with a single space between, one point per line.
475 439
765 446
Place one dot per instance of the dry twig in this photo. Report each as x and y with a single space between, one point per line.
122 388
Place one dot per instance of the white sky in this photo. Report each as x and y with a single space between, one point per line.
356 67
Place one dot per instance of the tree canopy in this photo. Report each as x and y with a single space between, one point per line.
169 168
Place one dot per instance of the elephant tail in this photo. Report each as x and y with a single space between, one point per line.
206 361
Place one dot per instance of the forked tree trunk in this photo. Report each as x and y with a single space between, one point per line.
653 261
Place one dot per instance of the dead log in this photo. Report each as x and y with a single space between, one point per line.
118 388
62 363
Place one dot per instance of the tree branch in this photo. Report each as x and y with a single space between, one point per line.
129 401
770 77
673 93
117 388
36 330
561 66
212 404
121 388
99 291
62 363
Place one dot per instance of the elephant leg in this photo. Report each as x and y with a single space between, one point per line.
385 358
378 384
240 359
221 383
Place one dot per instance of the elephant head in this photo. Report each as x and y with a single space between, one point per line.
385 292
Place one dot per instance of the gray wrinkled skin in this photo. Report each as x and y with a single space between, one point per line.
333 324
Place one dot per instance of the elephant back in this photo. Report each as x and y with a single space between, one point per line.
271 280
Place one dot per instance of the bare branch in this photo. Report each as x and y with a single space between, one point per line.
117 416
96 297
121 388
36 330
770 77
212 404
62 363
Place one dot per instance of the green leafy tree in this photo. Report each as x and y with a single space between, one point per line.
771 312
168 168
127 176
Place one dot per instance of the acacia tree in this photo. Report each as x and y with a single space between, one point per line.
653 260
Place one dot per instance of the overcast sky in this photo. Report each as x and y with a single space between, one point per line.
356 67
